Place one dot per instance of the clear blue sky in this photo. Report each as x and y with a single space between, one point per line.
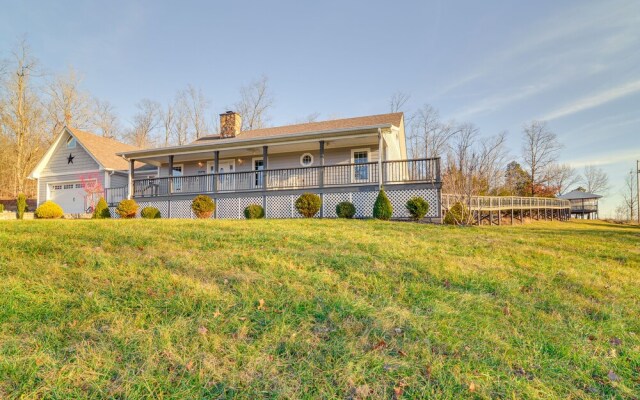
497 64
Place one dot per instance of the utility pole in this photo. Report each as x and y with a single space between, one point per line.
638 188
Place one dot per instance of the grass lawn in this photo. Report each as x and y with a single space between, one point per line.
318 309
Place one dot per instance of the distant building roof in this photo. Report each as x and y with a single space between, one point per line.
579 195
394 119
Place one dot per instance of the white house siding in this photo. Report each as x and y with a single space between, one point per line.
44 182
58 163
278 160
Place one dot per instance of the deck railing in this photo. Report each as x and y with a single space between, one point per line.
503 202
393 172
115 195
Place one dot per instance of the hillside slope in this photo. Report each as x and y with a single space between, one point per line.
318 309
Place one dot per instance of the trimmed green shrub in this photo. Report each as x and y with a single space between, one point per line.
127 208
382 208
203 206
21 204
150 213
417 207
345 210
308 204
458 214
1 207
102 210
49 210
254 211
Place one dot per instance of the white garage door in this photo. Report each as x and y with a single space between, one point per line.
68 195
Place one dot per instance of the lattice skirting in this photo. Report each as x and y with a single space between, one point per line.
282 206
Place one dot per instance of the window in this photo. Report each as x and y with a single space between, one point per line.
57 187
306 160
71 142
70 186
360 156
79 185
177 173
258 165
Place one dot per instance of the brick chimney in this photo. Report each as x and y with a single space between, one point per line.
230 124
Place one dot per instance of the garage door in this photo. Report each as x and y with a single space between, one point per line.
68 195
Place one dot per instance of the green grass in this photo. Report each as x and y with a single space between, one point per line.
318 309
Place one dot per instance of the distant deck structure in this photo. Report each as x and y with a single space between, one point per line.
583 204
496 210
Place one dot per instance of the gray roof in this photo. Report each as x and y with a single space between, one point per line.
579 195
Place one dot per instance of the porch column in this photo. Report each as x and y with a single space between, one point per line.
216 168
170 186
380 156
265 165
321 177
131 178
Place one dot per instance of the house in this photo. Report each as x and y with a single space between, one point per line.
75 160
583 204
341 160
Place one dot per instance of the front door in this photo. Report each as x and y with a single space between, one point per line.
258 165
226 182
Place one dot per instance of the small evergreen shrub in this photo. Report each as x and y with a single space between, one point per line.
345 210
102 210
21 204
150 213
203 206
127 208
417 207
458 214
49 210
382 208
254 211
308 204
1 207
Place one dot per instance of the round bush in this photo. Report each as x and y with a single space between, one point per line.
102 210
345 210
203 206
382 208
458 214
49 210
254 211
308 204
417 207
127 208
150 213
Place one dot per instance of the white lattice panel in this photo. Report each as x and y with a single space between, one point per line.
281 207
181 209
364 203
114 214
233 208
331 200
399 200
245 201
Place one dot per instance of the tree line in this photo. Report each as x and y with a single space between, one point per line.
35 106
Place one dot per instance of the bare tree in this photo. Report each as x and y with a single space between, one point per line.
428 135
562 177
145 122
22 116
255 102
595 180
197 106
630 195
540 150
67 104
313 117
398 101
105 119
168 123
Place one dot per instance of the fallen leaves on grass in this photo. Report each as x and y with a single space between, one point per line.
613 376
261 305
398 390
380 345
202 330
472 387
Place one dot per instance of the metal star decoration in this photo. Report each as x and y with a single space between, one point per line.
70 159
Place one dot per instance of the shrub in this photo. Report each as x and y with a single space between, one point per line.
21 204
254 211
49 210
203 206
345 210
127 209
308 204
382 208
150 213
417 207
102 210
458 214
1 207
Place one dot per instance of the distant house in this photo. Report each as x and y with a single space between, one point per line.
583 204
340 160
